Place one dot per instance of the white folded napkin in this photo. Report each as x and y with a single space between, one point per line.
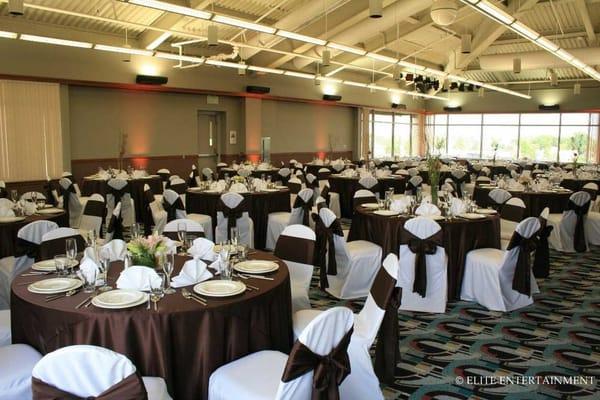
427 209
90 253
259 184
29 208
203 249
235 166
114 250
238 188
6 212
219 185
137 277
457 206
193 271
88 269
400 205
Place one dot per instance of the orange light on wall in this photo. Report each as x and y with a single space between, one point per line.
253 157
139 162
321 155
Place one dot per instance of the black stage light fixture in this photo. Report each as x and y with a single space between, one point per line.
258 89
453 86
399 106
332 97
410 77
461 87
151 80
453 109
549 107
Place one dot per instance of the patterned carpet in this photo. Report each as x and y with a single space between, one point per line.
559 335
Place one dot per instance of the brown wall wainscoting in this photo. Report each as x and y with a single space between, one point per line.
29 186
277 158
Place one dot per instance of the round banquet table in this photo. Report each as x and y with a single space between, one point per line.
460 237
535 202
256 173
183 342
577 184
9 230
136 188
443 176
260 205
346 187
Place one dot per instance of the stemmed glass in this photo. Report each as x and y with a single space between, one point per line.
105 265
135 231
168 265
157 290
71 251
60 261
234 237
182 235
14 195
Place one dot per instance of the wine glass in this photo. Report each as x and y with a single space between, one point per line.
135 230
234 236
182 234
105 265
71 251
14 195
168 269
157 289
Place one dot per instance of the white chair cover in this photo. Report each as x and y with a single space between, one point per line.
93 214
190 225
171 196
507 227
427 209
244 224
562 236
127 205
16 363
75 204
368 182
277 221
499 196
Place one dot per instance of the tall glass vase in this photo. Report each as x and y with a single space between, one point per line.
434 180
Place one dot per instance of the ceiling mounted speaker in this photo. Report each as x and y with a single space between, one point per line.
516 65
443 12
465 43
375 8
331 97
258 89
151 80
213 35
481 92
553 78
397 74
15 7
326 58
577 89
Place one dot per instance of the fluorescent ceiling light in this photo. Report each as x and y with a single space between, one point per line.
358 84
495 12
125 50
243 24
177 57
546 44
382 57
577 63
227 64
435 72
565 55
299 74
265 69
61 42
158 41
524 30
328 79
411 66
348 49
164 6
8 35
298 36
377 87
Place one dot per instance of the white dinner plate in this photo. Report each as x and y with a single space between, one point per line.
11 219
217 249
256 266
52 210
54 285
370 206
220 288
486 211
387 213
120 298
269 190
212 191
281 187
436 217
195 189
45 265
472 216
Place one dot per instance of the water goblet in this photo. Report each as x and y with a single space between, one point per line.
71 251
60 263
168 266
225 268
182 234
89 280
105 265
14 195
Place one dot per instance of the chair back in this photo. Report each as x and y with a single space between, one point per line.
517 259
513 210
302 207
363 196
29 239
192 228
173 205
367 182
294 184
499 196
296 246
53 242
573 219
93 214
207 173
233 204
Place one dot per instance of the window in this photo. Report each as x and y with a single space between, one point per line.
30 131
391 134
537 136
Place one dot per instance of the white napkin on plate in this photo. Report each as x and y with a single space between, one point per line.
259 184
114 250
219 185
427 209
88 268
457 206
193 271
203 249
400 205
29 208
137 277
6 212
238 188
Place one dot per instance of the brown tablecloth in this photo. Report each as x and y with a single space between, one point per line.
184 342
136 188
577 184
346 187
261 204
256 174
460 237
535 202
9 230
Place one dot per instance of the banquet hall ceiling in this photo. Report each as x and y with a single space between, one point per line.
406 31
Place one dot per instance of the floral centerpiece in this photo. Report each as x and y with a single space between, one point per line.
144 249
434 166
525 180
238 179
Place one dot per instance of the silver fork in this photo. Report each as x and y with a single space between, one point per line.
189 295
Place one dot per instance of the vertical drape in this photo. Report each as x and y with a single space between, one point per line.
30 131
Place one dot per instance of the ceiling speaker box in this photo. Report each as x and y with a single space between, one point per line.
151 80
258 89
332 97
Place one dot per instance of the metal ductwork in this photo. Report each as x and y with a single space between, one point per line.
370 27
537 60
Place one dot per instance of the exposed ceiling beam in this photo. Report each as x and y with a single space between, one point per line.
587 22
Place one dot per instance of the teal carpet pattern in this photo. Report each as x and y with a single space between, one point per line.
444 355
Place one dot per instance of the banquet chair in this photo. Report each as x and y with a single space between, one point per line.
511 213
68 175
74 206
568 234
541 264
592 189
502 280
3 191
313 183
93 215
333 200
208 174
118 191
482 180
423 265
369 183
5 332
413 185
459 177
295 185
233 203
174 208
244 172
356 263
413 171
402 172
426 209
114 230
16 363
194 178
295 246
271 374
323 174
277 221
84 371
362 196
283 175
499 197
155 210
53 242
485 171
592 222
338 167
114 250
192 228
362 383
28 196
164 176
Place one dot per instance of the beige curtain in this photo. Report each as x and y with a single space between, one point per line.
30 131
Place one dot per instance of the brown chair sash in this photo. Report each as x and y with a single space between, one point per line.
295 249
27 248
459 181
130 388
4 192
232 214
314 184
421 248
382 288
94 208
593 193
115 225
192 179
325 248
579 241
48 189
375 188
118 193
171 209
541 262
50 248
522 278
329 370
306 208
512 213
284 179
66 194
147 216
387 352
323 176
412 188
325 195
179 188
294 187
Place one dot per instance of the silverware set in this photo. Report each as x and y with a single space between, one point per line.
192 296
87 301
246 276
61 295
38 273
